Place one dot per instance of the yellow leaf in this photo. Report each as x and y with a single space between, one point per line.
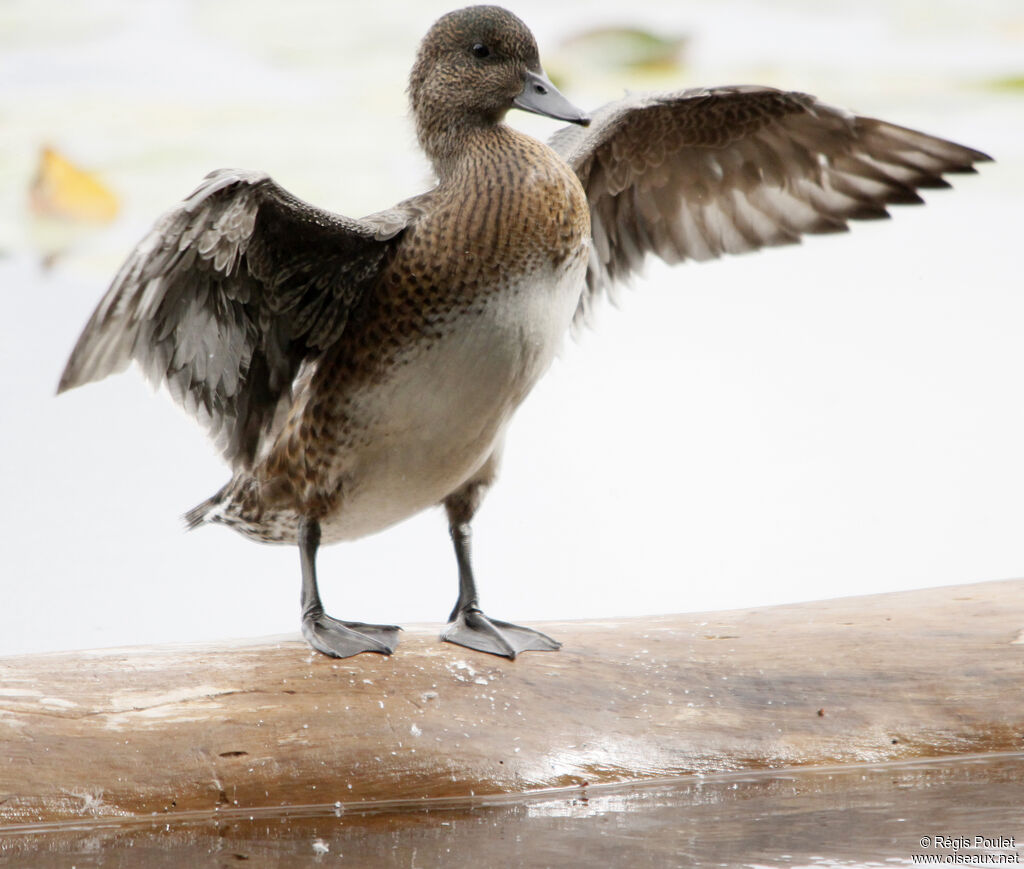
62 190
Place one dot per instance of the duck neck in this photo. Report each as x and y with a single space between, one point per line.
447 144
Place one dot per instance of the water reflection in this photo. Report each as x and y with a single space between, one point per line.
854 816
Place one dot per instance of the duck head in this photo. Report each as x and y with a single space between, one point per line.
474 65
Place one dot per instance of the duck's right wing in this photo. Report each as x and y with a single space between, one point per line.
227 296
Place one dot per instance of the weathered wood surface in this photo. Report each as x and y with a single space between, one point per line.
267 723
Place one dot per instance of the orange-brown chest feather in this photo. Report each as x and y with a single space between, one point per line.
510 207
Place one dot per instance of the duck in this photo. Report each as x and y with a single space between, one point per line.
355 372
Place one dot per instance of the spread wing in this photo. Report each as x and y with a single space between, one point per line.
701 173
228 295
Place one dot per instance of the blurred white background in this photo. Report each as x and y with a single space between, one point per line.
840 418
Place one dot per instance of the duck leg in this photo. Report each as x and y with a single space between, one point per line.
329 635
468 626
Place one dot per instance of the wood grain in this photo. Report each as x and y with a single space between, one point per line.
265 723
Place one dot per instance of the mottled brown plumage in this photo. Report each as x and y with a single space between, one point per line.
355 372
448 274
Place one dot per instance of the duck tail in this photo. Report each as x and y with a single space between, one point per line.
200 514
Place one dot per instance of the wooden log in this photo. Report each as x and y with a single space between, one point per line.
265 723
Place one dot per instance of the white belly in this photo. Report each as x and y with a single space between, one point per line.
437 419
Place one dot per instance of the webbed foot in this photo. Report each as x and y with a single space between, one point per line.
343 639
326 634
472 629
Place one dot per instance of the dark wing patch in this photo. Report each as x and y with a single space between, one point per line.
702 173
227 296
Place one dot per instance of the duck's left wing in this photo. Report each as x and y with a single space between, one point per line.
702 173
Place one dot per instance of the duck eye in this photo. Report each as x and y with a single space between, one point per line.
481 50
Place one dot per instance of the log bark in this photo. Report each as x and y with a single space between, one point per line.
266 723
